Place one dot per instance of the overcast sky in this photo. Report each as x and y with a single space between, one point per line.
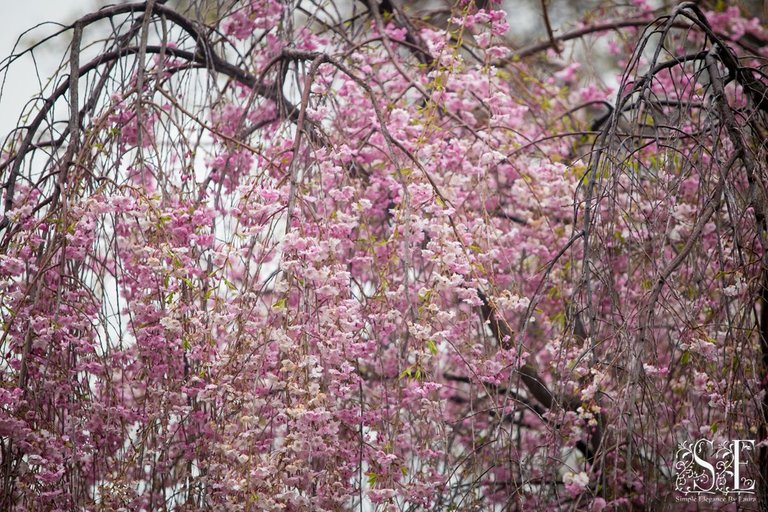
17 17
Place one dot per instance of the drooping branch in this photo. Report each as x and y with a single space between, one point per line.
534 383
208 59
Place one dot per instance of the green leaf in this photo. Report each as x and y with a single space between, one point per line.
280 304
686 358
432 347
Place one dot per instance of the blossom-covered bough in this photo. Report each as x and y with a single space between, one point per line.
265 255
